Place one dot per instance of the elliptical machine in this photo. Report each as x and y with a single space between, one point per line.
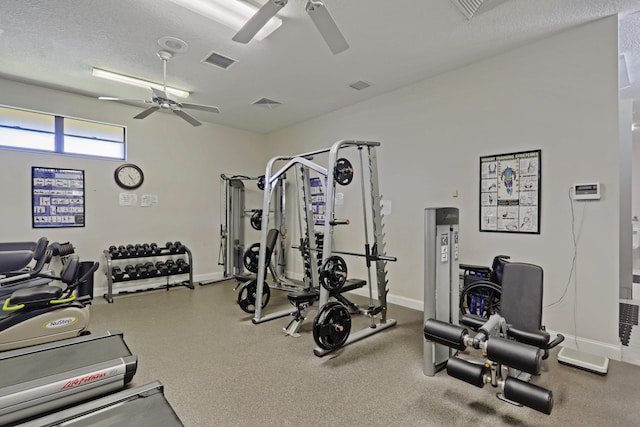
15 272
48 312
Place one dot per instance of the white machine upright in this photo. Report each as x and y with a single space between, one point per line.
441 279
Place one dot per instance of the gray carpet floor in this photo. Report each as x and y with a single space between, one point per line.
219 369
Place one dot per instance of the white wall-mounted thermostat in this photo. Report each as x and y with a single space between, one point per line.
586 191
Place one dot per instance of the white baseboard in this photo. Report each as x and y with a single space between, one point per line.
393 299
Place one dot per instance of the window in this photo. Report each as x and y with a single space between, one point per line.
42 132
24 129
93 139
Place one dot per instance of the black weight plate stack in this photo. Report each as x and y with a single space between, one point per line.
331 326
256 219
343 172
333 273
251 258
247 296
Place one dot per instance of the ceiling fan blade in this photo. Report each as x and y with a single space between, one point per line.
109 98
327 27
208 108
146 112
259 20
187 117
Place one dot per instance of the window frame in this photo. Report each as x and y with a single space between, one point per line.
59 136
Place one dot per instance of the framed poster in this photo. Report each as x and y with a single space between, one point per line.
57 197
510 192
317 201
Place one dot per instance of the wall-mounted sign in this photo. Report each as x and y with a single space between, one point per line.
510 192
57 197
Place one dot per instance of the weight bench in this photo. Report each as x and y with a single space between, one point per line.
305 299
514 344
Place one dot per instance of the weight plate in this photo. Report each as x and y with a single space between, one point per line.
260 182
256 220
343 172
247 296
251 258
331 326
333 273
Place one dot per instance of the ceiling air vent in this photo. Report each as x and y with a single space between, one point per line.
471 8
359 85
266 103
219 60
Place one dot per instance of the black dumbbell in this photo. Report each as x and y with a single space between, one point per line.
146 249
171 266
180 248
183 266
155 250
142 271
131 271
117 274
131 250
162 268
138 250
123 251
171 247
151 269
114 252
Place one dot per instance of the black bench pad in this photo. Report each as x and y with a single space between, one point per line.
304 296
36 294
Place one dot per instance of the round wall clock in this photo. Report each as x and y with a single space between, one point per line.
129 176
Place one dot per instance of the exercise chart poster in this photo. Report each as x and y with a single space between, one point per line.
57 197
510 192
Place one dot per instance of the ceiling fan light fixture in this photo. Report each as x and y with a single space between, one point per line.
232 14
133 81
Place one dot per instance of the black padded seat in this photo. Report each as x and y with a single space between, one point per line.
350 285
310 296
303 297
36 294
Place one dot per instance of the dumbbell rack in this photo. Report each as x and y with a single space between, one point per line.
160 252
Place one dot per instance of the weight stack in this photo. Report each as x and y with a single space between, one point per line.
319 237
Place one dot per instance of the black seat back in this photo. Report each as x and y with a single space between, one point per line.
272 239
497 268
70 271
521 301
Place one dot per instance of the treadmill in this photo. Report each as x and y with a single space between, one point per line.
143 406
50 376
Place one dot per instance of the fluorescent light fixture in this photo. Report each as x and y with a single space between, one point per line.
230 13
97 72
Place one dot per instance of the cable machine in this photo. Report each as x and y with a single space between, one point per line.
233 215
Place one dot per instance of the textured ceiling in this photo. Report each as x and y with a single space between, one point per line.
55 43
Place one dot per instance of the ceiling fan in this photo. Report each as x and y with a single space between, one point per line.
161 99
318 13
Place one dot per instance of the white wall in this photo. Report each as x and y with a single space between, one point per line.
182 165
559 95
